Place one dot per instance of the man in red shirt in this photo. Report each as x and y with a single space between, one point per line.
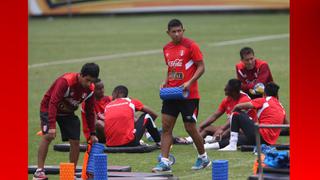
59 104
234 96
252 71
185 66
100 103
269 111
120 128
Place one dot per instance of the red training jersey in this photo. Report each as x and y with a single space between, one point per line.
228 104
99 106
249 78
119 121
64 97
270 111
180 59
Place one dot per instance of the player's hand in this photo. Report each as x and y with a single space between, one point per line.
236 108
93 139
163 85
186 86
218 133
251 91
51 134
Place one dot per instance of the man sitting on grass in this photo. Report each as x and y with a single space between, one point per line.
269 111
120 128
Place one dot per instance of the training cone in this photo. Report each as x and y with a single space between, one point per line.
220 170
66 171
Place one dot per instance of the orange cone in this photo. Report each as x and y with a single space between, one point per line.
66 171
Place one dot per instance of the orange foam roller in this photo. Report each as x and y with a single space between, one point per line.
66 171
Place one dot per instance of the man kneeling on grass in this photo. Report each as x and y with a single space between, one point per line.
121 129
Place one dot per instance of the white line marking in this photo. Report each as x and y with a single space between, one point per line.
253 39
97 58
154 51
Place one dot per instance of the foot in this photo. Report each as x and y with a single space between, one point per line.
189 139
213 146
201 163
162 167
229 148
39 175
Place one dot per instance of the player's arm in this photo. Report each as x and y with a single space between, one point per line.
212 118
150 111
263 74
200 70
57 94
90 116
244 85
240 106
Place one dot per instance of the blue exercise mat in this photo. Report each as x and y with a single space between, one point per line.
173 93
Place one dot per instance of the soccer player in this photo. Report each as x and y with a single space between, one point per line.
269 111
59 104
185 66
234 96
252 71
100 103
120 128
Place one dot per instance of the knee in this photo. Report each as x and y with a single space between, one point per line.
74 142
100 125
190 127
48 138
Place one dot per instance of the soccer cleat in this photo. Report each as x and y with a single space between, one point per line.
162 167
229 148
214 145
39 175
201 163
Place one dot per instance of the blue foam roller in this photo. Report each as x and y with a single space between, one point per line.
100 167
97 148
220 170
173 93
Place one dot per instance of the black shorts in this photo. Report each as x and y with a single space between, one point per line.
188 108
69 126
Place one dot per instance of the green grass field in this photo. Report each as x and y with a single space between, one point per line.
61 39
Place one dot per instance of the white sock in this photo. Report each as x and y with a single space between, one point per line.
203 156
166 161
233 138
148 135
214 145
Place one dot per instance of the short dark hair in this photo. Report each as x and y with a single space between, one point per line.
245 51
235 85
174 23
271 89
121 89
90 69
97 80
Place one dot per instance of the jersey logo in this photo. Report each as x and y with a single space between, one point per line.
175 63
175 75
181 52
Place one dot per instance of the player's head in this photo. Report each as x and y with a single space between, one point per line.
120 92
233 88
175 30
247 57
89 73
271 89
99 89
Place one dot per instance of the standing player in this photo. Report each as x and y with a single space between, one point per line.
252 71
185 66
121 129
59 104
100 103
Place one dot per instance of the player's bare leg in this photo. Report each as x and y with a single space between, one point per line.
195 135
74 151
43 150
168 123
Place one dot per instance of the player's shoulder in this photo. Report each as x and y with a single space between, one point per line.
260 62
168 45
188 43
240 65
71 78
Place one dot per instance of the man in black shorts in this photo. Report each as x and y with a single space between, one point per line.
185 66
59 104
